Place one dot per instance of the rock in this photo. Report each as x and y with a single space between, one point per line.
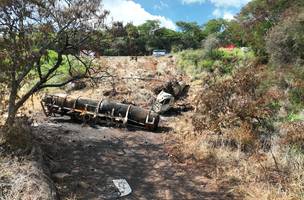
83 185
60 176
75 171
121 153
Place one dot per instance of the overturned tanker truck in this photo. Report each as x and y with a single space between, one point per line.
104 112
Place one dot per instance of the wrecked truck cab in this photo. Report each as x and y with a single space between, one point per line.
163 102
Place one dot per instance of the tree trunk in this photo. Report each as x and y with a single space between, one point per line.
12 110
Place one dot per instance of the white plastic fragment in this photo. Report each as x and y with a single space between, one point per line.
123 187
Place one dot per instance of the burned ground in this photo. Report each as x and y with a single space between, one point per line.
92 157
85 159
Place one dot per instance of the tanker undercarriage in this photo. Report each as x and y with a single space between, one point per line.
103 112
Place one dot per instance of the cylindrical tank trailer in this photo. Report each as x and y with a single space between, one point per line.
104 112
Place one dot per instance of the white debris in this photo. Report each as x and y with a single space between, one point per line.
163 103
123 187
35 124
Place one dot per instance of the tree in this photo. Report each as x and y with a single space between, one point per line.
191 34
285 41
29 29
148 36
214 26
234 33
259 16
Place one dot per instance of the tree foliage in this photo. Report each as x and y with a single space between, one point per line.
285 41
28 30
259 16
119 39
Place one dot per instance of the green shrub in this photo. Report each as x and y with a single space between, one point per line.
188 61
195 62
215 55
236 54
295 117
226 68
205 64
296 97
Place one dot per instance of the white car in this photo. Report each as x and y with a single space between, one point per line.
158 53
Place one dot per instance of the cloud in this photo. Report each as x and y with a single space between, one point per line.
229 3
192 1
130 11
228 16
220 3
222 7
217 13
161 5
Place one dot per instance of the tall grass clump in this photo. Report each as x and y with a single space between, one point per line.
213 60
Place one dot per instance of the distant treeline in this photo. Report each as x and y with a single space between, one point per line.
120 39
262 25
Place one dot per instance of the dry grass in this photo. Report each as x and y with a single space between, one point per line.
30 182
293 134
25 178
19 136
22 175
233 130
277 174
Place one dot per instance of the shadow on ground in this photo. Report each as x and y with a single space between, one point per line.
90 158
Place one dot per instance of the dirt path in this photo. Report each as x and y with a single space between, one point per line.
88 159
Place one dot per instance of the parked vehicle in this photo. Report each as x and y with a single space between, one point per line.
159 52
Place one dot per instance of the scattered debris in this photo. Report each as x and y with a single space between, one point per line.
175 88
123 187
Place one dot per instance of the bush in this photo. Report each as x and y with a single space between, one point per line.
293 135
211 43
233 105
215 55
189 60
297 96
285 41
205 65
194 62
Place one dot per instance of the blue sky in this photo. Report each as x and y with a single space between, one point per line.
170 11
